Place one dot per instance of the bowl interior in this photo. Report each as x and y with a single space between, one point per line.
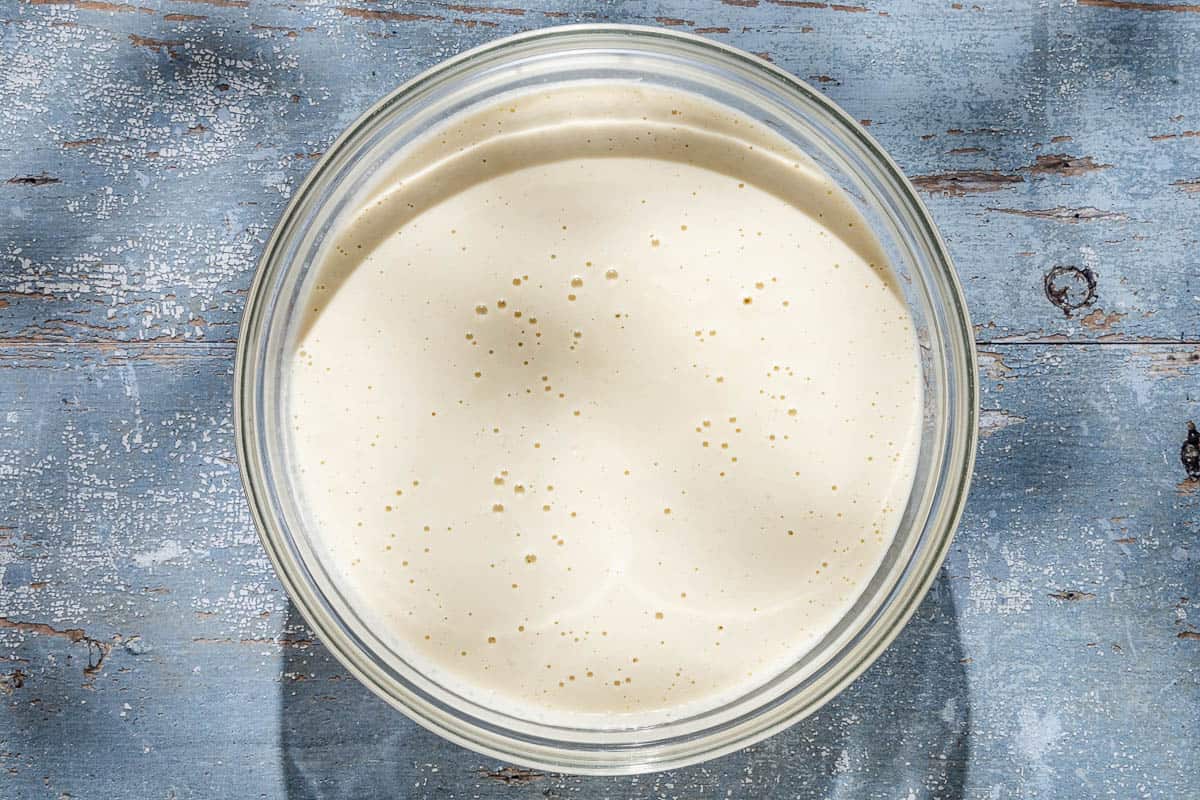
831 139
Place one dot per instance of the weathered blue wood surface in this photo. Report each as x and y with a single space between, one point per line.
146 650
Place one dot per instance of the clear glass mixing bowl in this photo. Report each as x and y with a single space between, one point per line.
847 153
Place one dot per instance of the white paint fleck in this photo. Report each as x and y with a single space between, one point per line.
1037 735
949 712
169 551
991 421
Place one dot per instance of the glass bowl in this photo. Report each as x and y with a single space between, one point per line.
841 147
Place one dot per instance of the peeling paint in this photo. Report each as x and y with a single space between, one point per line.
1064 214
1126 5
957 184
991 422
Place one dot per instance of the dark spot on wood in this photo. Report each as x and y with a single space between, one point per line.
1191 187
33 180
512 775
223 87
1189 453
1162 137
97 650
1063 164
222 3
95 140
1060 139
1070 288
1071 595
12 681
741 3
1125 5
797 4
184 18
962 182
764 55
94 5
289 32
512 12
825 79
712 30
1126 540
476 23
196 129
388 16
811 4
1063 214
964 151
280 642
155 45
1188 635
674 22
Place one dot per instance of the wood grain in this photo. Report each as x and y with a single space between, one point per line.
146 649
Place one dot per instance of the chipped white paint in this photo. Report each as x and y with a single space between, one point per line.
992 421
170 550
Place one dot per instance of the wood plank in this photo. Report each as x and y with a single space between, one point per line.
146 649
149 149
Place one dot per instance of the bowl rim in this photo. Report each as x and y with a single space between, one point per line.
957 472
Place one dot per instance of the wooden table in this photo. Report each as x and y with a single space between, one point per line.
146 649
